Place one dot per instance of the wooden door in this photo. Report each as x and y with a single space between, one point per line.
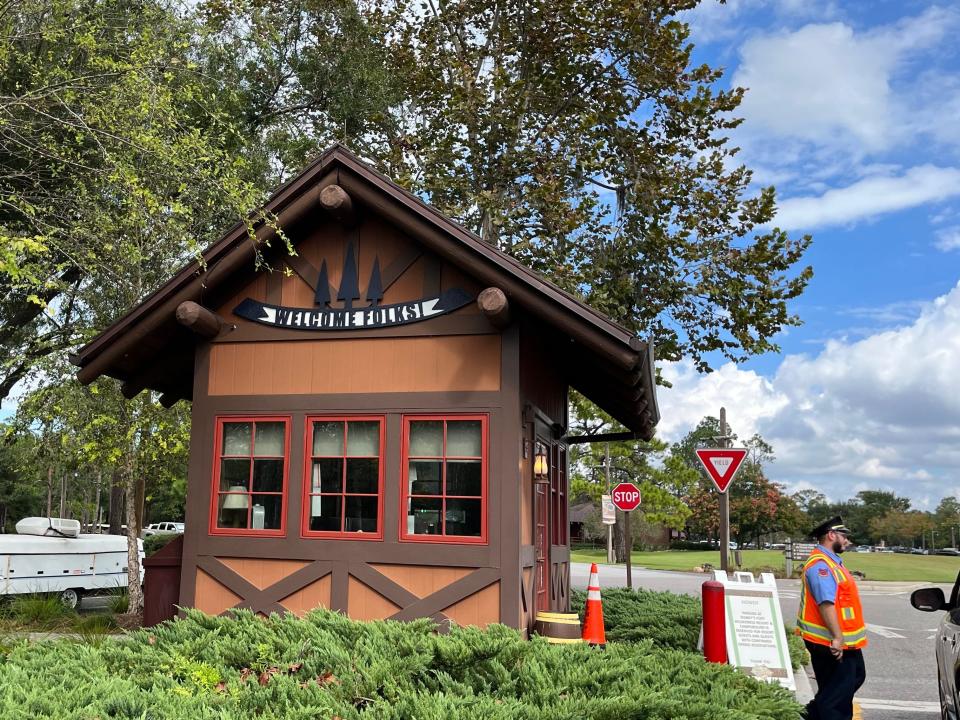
541 543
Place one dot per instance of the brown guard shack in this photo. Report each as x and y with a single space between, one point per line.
380 429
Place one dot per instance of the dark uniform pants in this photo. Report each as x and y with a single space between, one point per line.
837 681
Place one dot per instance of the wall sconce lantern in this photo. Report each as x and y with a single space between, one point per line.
540 465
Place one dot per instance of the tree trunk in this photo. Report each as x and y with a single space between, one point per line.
134 591
619 540
141 500
96 511
50 491
116 504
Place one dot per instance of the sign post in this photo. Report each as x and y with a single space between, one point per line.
721 465
626 497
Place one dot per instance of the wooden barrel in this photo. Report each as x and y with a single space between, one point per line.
558 628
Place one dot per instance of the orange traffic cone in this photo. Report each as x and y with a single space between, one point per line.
593 614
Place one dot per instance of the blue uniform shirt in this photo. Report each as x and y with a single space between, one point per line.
822 583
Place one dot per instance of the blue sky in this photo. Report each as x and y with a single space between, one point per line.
853 114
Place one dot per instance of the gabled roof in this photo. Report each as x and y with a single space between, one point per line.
147 348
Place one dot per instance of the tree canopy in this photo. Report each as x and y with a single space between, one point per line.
578 137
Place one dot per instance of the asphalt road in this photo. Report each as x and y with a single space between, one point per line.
901 668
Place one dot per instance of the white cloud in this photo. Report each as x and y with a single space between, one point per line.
833 87
948 239
869 197
819 83
712 21
882 412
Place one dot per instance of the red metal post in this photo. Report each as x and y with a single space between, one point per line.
714 624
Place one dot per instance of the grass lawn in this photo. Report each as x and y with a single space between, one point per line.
876 566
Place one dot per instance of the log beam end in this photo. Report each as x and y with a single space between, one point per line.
338 203
494 305
199 319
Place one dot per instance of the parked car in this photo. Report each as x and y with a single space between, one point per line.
947 643
163 527
918 551
947 551
863 548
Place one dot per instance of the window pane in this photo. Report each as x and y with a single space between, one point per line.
362 475
363 438
423 516
426 438
236 438
328 438
267 475
325 512
267 511
425 477
463 438
464 477
327 475
463 517
235 474
232 511
269 439
361 514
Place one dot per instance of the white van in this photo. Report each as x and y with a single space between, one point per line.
50 555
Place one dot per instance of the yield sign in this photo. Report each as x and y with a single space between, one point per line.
722 465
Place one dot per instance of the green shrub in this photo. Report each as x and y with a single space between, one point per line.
665 619
152 543
329 666
41 610
94 629
119 602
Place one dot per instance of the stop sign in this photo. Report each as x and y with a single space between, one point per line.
626 496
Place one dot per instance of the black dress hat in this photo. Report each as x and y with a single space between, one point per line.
834 523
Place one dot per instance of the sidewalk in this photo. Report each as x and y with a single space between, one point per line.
805 691
804 686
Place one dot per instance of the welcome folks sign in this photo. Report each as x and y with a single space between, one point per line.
349 317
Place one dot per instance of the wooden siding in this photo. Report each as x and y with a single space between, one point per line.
212 597
481 609
422 580
542 383
316 367
366 604
315 595
263 573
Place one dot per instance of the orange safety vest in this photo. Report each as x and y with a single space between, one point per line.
810 625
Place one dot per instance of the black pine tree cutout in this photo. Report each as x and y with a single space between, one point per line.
349 287
322 297
375 287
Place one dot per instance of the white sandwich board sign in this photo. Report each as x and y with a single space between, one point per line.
756 639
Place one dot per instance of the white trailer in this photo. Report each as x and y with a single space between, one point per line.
49 555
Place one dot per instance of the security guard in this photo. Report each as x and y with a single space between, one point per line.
830 621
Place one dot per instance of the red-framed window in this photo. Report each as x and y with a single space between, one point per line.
251 459
343 477
444 478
